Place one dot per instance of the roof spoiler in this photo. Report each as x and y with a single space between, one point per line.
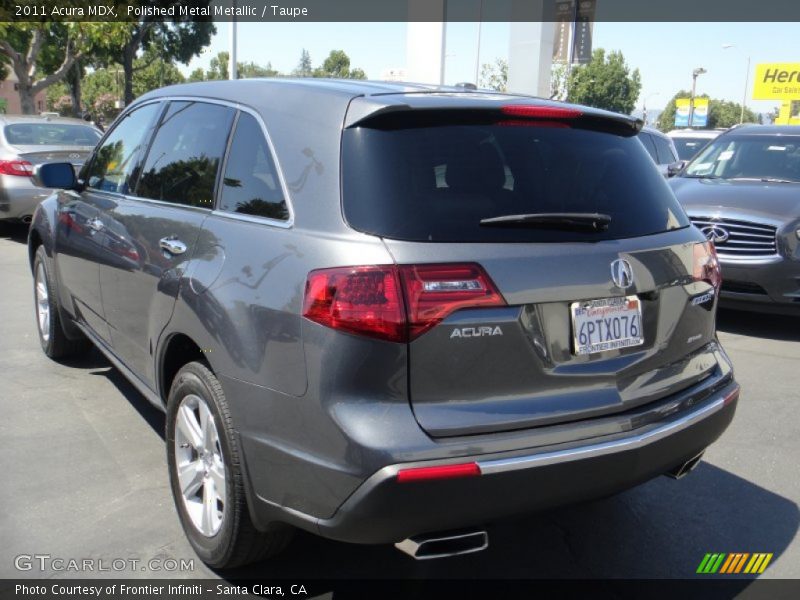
397 110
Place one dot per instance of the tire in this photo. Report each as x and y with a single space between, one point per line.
217 523
54 341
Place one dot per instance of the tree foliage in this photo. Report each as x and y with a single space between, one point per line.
42 53
304 68
494 76
337 66
605 82
721 113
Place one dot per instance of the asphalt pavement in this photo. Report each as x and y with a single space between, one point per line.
84 477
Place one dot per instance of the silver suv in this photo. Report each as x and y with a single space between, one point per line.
384 312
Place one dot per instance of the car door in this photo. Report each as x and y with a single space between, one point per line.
81 243
154 229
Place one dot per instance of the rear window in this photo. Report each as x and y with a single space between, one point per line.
50 134
689 147
436 183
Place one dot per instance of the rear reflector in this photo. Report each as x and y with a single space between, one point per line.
732 396
395 303
19 168
440 472
540 112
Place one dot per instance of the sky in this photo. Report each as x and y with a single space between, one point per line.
664 53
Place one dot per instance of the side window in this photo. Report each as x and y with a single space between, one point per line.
647 141
112 169
250 185
184 158
665 154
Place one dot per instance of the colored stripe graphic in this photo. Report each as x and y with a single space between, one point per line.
724 563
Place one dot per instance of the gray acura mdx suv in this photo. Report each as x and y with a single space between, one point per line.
385 312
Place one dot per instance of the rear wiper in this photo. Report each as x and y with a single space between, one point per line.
693 176
569 221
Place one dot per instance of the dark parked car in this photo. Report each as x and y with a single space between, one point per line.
743 192
384 312
661 150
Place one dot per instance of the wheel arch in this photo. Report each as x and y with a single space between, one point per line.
178 349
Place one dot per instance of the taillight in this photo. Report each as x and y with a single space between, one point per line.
435 291
19 168
706 264
362 300
395 303
540 112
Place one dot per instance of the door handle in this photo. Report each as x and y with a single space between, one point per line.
172 245
95 224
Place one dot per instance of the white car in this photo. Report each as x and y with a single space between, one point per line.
689 142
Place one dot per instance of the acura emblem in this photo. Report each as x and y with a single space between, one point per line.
621 273
715 233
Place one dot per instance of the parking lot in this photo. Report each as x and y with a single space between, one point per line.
84 476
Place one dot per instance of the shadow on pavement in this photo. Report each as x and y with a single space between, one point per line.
95 360
16 232
660 530
753 324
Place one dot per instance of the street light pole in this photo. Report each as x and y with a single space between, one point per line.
644 106
695 73
746 82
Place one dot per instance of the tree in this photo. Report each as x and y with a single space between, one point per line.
304 68
197 75
494 76
151 72
26 47
218 67
250 69
605 82
721 113
178 40
337 66
558 82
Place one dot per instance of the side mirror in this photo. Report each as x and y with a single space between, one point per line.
55 175
676 168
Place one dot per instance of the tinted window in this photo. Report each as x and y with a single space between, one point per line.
113 167
250 184
50 134
436 183
666 155
647 142
184 158
752 157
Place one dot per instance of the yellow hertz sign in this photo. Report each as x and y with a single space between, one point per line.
735 562
777 81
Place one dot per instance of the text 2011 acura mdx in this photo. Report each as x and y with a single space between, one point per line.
383 312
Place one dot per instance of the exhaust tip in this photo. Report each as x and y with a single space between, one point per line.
27 219
442 545
684 469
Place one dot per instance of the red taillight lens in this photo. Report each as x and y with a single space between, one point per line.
362 300
435 291
540 112
441 472
706 264
19 168
395 303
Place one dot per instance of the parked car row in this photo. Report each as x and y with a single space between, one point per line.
359 303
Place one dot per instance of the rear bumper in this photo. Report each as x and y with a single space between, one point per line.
382 510
19 197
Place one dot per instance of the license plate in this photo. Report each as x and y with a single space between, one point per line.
606 324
